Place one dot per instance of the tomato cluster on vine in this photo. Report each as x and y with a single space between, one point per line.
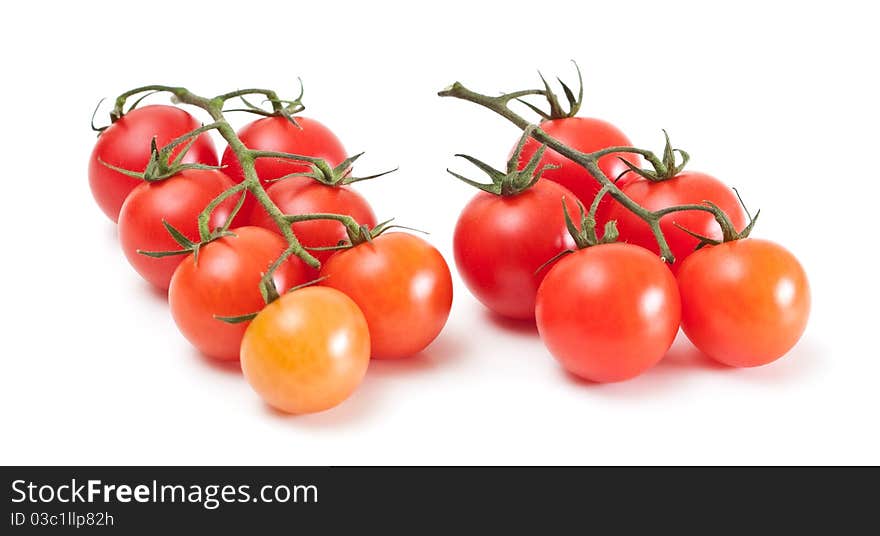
659 249
270 258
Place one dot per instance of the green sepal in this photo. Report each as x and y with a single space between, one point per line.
236 319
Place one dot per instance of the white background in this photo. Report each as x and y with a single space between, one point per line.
778 99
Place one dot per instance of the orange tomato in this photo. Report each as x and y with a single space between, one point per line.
307 351
743 303
403 286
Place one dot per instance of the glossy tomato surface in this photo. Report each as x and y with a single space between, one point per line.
689 187
279 134
608 312
585 134
500 242
225 282
303 195
126 144
177 200
307 351
402 285
744 303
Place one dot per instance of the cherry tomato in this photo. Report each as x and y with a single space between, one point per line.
685 188
608 312
225 282
311 138
126 144
587 135
501 241
403 286
744 303
177 200
303 195
306 351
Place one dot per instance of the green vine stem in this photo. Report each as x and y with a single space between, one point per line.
589 161
246 157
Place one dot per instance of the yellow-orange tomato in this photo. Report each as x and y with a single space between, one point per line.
307 351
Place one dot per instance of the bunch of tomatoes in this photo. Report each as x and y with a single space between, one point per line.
607 299
270 257
384 295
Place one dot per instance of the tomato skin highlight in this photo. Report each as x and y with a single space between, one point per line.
501 241
745 303
278 134
126 144
177 200
607 313
225 282
689 187
303 195
307 351
586 134
402 285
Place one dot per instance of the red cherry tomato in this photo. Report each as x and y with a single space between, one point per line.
311 138
306 351
126 144
501 241
587 135
403 286
686 188
177 200
303 195
608 312
225 282
744 303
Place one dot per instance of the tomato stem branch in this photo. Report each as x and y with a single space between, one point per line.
246 157
589 161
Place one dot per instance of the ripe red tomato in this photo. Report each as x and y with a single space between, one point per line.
585 134
306 351
279 134
225 282
126 144
744 303
403 286
177 200
304 195
686 188
501 241
608 312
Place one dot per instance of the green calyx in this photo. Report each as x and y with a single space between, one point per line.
664 169
321 171
728 231
584 234
556 110
357 233
280 107
512 181
161 166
